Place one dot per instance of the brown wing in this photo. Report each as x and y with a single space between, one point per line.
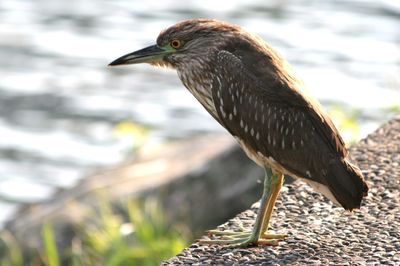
275 120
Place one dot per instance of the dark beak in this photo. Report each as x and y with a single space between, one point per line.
149 54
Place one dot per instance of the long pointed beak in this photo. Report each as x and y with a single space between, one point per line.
149 54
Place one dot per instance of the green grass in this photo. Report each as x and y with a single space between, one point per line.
137 234
10 252
131 233
50 257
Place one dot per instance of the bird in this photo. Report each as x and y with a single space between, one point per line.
250 90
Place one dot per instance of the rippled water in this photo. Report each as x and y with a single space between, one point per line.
59 102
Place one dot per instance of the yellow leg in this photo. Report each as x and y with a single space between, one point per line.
277 182
272 185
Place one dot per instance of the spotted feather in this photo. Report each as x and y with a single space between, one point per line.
293 136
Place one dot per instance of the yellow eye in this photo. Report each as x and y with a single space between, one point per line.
176 44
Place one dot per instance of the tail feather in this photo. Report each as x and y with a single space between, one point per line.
346 183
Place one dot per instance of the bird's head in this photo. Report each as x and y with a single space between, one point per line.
184 43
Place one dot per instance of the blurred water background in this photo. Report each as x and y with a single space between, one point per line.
60 103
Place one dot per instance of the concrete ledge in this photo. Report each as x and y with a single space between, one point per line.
320 233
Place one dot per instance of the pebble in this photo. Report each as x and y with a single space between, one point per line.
320 233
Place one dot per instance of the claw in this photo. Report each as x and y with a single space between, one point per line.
234 239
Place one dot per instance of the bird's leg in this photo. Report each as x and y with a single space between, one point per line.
272 184
277 182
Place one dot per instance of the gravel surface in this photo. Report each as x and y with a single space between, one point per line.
319 232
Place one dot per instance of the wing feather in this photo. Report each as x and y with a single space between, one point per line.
276 121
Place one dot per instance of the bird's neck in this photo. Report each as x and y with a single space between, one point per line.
198 80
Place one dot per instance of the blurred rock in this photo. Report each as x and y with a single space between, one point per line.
201 182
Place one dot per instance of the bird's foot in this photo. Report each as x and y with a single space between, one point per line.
233 239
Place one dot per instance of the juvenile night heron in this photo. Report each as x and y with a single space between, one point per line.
249 89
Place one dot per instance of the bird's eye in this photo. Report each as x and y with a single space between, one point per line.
176 44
